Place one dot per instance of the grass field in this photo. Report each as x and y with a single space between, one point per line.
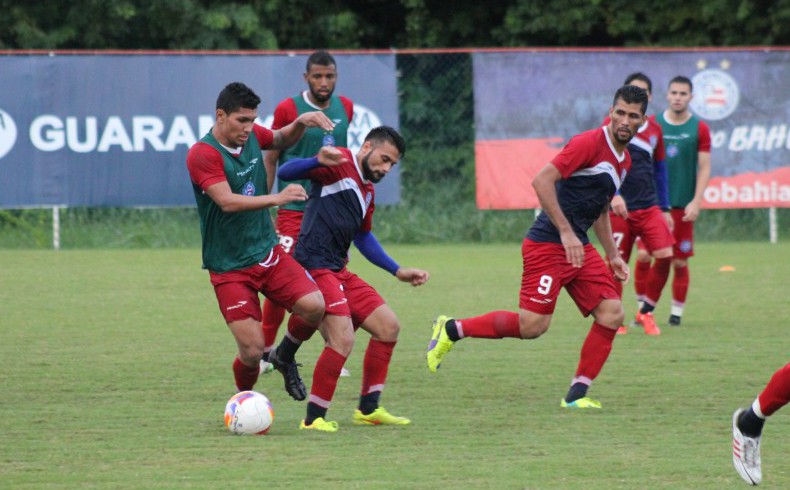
115 369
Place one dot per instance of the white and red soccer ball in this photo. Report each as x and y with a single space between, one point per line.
249 412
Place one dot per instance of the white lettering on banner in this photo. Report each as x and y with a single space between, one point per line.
50 133
755 137
755 192
72 135
147 128
180 133
46 133
114 134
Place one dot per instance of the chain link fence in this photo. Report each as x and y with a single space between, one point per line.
438 185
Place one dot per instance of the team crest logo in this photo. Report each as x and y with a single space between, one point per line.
7 133
248 189
672 151
716 94
685 246
328 140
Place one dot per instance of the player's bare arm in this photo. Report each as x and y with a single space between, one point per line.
287 136
691 213
415 277
545 188
619 208
603 230
230 202
270 164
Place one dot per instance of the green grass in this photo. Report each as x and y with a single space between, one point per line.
115 369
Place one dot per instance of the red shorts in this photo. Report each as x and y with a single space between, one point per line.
288 224
346 294
684 235
546 271
279 277
648 224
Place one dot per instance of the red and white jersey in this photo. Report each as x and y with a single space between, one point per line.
592 171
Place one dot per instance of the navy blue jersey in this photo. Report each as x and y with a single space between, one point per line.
339 205
592 171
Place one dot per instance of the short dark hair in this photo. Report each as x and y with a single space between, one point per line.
235 96
631 94
642 78
387 134
319 58
682 79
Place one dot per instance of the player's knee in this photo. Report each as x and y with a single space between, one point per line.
343 344
389 331
530 328
610 313
250 354
643 255
311 307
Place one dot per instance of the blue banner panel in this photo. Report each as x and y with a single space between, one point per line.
114 130
529 103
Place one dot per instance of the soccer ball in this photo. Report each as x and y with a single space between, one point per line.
249 412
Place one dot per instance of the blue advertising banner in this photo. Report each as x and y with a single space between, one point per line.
529 103
114 129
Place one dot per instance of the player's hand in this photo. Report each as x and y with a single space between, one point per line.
574 250
291 193
691 213
670 221
415 277
618 207
316 119
620 269
331 156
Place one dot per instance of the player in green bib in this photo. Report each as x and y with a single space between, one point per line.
240 248
321 77
687 141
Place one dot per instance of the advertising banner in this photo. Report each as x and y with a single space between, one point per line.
529 104
114 129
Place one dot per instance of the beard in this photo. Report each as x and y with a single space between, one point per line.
321 97
620 139
369 174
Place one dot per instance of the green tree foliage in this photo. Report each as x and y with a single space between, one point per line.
369 24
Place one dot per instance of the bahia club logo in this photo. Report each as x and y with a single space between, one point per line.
716 94
7 133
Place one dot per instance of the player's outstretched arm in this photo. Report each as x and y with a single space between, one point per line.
230 202
288 135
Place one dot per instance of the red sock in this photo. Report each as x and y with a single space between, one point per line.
325 376
641 272
657 279
272 318
245 375
777 393
680 284
299 329
493 325
375 366
595 351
